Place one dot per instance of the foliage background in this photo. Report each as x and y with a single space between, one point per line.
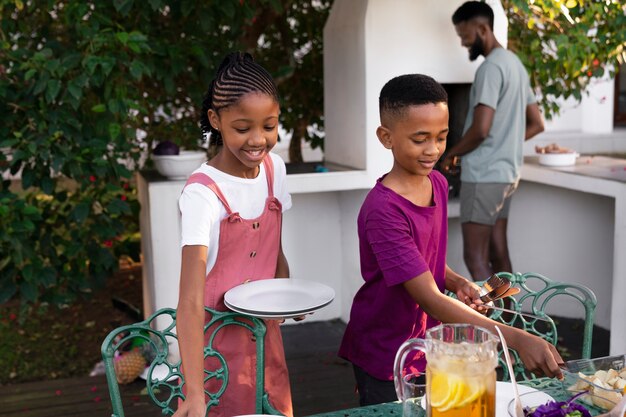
87 88
566 44
79 80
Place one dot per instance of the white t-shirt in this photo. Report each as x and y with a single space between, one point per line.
202 212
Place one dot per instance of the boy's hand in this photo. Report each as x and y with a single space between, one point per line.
539 357
469 293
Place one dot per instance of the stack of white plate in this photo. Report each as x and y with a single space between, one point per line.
278 298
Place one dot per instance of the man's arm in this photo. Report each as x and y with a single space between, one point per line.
534 121
475 135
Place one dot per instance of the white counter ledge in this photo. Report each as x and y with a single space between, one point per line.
600 176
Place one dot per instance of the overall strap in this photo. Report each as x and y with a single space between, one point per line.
200 178
269 174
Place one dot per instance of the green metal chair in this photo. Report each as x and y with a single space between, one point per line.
165 389
536 293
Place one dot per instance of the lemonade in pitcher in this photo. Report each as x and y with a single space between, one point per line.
460 371
460 388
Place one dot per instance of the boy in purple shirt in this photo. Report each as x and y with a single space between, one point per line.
403 228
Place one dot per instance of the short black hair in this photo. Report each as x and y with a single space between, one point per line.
472 9
409 90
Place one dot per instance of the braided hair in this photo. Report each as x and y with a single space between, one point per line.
237 75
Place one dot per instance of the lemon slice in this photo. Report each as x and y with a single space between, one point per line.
451 391
442 390
471 393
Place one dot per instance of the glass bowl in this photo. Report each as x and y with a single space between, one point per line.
529 400
603 378
532 400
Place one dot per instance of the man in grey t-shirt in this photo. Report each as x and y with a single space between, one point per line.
502 114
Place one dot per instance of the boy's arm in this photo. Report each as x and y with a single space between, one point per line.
538 356
466 291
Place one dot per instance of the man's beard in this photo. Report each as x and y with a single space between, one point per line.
476 49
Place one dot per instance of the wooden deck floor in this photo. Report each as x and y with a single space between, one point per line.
320 381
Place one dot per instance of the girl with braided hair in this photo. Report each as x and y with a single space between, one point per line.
231 233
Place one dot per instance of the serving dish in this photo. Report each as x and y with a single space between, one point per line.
179 167
558 159
604 378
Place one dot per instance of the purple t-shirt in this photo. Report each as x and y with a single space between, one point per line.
397 241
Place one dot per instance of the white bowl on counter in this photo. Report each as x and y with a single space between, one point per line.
558 159
179 167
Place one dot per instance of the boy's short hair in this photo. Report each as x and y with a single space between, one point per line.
409 90
472 9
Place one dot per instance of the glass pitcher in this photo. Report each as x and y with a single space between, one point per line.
460 371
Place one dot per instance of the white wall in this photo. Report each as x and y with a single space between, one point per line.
593 115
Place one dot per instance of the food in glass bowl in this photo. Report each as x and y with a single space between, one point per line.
603 379
534 404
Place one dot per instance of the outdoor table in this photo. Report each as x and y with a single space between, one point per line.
550 386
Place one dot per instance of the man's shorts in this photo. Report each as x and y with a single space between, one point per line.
486 202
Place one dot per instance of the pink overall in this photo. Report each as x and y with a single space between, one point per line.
248 251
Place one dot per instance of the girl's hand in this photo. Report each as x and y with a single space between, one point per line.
191 407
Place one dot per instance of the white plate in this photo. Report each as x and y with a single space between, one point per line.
279 297
286 315
256 415
504 395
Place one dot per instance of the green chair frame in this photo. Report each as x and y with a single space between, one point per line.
165 391
536 292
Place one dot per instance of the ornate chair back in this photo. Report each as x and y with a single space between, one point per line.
164 378
537 291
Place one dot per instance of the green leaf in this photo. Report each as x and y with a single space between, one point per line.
123 6
75 89
28 291
155 4
28 177
52 65
187 7
7 291
136 70
24 226
117 206
114 130
47 185
54 86
48 277
122 37
99 108
29 74
30 210
80 212
41 83
228 8
4 262
27 272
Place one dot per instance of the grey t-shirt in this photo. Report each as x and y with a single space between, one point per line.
502 83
